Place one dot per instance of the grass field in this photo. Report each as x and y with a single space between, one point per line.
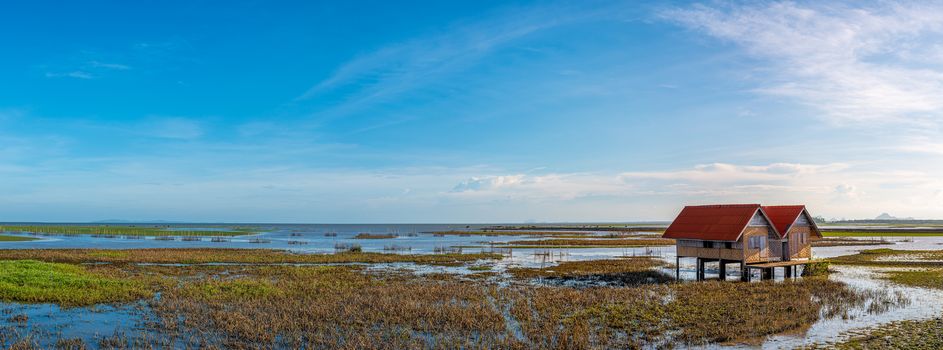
244 256
588 243
69 285
113 230
288 306
911 334
900 233
892 258
5 238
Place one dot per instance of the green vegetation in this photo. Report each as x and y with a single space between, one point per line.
374 236
245 256
864 233
513 233
817 268
891 258
911 334
286 306
625 271
115 230
917 278
68 285
847 241
589 243
5 238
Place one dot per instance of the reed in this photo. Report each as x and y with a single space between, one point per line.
589 243
112 231
227 255
5 238
375 236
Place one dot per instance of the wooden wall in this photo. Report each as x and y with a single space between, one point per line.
755 255
797 249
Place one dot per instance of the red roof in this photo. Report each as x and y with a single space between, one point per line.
782 216
711 222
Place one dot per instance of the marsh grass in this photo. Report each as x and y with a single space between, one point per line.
513 233
6 238
375 236
68 285
898 233
910 334
892 258
589 243
217 255
353 307
111 231
924 278
626 271
845 241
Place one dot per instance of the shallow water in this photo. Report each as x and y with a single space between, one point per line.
90 323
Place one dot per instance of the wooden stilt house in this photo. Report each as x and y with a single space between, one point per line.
743 233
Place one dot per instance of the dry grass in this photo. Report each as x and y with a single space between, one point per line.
591 243
844 242
375 236
247 256
911 334
347 307
892 258
514 233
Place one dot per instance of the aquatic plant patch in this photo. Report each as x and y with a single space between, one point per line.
892 258
514 233
590 243
925 278
7 238
115 230
68 285
869 233
223 255
375 236
845 242
286 306
910 334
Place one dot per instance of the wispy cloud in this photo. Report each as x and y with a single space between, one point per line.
73 74
112 66
399 68
856 61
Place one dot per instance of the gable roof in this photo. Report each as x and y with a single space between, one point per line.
724 222
784 216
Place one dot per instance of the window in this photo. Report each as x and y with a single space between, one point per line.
708 244
757 242
728 245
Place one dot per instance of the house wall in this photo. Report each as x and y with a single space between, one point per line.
756 255
800 242
695 248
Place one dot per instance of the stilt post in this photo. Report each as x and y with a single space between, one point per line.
677 268
723 270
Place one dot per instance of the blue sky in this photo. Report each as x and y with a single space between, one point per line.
467 111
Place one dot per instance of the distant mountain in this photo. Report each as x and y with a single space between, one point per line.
119 221
886 216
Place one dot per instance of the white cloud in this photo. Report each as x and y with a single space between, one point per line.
73 74
857 62
414 63
105 65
